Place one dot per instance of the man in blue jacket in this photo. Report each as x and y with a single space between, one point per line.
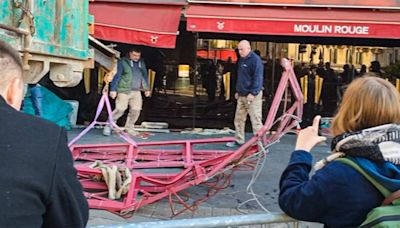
249 86
126 86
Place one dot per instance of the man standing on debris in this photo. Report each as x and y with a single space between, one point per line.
38 183
126 86
249 88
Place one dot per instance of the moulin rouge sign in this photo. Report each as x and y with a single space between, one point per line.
331 29
306 21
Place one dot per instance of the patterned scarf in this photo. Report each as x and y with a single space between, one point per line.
381 143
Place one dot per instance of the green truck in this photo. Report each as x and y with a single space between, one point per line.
52 37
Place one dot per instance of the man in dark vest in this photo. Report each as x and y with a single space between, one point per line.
38 182
126 86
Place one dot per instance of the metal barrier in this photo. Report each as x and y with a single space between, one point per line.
211 222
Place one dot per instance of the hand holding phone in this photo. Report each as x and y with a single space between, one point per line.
308 137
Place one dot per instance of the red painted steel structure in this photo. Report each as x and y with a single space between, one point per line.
166 169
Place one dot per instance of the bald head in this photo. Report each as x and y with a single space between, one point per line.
11 82
10 64
244 48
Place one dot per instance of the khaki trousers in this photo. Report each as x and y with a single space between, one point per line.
254 109
133 99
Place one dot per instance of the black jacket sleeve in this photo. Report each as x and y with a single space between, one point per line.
66 206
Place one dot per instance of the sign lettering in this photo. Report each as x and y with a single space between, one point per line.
331 29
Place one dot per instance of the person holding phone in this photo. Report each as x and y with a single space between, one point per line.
366 130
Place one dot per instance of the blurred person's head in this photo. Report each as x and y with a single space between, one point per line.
363 68
244 48
375 67
367 102
134 54
328 65
11 76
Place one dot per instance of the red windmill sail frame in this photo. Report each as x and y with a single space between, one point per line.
188 166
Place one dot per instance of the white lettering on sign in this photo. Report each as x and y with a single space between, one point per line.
335 29
347 29
313 28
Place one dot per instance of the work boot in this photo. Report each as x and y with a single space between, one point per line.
234 144
107 130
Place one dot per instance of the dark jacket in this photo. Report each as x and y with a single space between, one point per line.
329 87
337 195
38 183
250 75
125 81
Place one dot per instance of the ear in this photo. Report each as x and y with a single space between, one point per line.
14 93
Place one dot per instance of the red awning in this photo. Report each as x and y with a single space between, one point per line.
265 20
145 24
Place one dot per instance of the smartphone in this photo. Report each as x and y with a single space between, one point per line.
325 126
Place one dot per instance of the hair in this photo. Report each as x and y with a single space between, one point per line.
10 64
134 49
328 65
375 66
367 102
244 44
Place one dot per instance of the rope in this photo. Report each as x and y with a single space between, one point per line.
118 179
262 155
